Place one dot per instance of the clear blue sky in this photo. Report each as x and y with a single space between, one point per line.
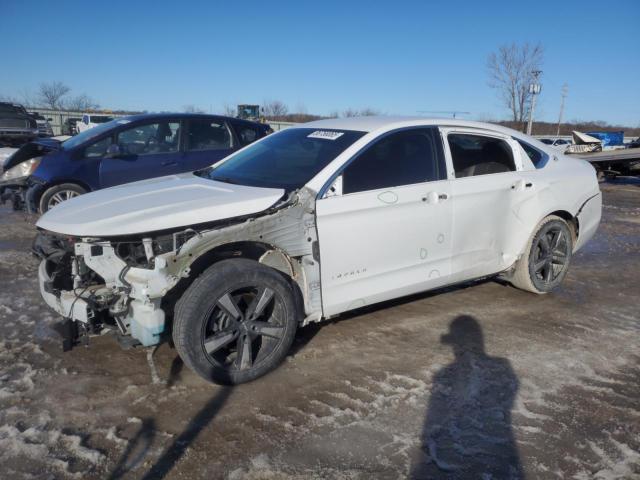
397 57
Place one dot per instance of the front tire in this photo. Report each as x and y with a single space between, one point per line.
58 194
236 322
545 261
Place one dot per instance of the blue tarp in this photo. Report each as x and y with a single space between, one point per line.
609 139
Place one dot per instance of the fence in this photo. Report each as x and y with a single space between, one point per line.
58 117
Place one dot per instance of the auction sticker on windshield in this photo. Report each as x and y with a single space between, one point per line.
325 134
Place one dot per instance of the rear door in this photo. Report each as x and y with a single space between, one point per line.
384 225
206 141
148 150
486 186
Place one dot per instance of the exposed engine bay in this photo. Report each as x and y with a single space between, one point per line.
124 283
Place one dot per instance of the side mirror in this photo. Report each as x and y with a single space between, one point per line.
114 151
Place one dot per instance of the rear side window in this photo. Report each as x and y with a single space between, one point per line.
537 157
402 158
204 134
475 155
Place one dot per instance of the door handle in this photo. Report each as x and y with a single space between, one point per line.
521 185
169 163
434 197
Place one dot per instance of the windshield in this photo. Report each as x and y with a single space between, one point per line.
82 137
288 159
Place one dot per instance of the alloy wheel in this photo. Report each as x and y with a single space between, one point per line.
551 255
243 327
60 197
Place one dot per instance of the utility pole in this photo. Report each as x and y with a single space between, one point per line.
534 90
563 95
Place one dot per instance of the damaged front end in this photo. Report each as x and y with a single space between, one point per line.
104 284
123 284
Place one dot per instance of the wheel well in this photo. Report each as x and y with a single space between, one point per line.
571 220
47 186
246 249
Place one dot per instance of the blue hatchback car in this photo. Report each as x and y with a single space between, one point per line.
46 172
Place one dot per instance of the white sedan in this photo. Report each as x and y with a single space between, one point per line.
309 223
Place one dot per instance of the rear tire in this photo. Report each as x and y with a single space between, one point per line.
58 194
236 322
546 259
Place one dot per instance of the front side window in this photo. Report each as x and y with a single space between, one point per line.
208 135
152 138
402 158
288 159
98 149
475 155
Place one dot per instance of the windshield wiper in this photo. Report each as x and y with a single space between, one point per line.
224 180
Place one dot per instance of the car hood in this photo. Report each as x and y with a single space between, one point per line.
156 204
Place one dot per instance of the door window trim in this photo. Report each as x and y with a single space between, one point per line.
329 183
446 131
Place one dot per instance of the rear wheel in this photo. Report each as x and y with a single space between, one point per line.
58 194
236 322
546 260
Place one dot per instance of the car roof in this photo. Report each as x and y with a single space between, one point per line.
373 123
160 116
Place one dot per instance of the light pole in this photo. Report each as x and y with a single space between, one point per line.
534 90
565 89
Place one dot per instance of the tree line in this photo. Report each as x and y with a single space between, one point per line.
55 96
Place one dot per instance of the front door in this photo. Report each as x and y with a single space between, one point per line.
148 150
385 225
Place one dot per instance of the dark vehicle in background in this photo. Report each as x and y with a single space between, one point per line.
44 127
46 172
16 126
69 126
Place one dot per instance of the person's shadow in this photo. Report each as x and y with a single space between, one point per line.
467 431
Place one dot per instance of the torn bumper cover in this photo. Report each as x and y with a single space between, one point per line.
105 291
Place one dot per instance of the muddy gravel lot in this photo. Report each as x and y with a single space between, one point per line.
482 381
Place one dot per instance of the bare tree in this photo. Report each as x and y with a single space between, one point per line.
81 103
274 109
350 112
192 109
364 112
51 94
369 112
510 72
